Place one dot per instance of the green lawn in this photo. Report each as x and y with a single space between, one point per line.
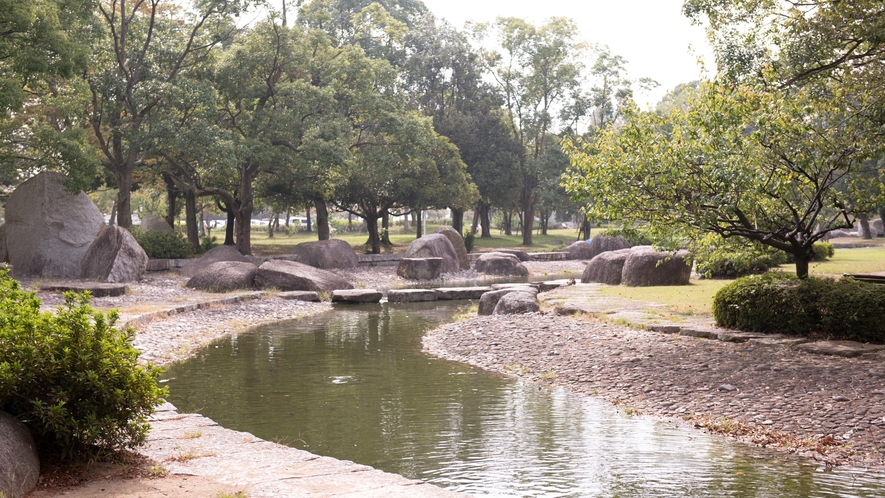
282 243
697 298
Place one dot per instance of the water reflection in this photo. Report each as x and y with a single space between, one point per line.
353 384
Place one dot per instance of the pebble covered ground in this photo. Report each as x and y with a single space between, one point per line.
824 407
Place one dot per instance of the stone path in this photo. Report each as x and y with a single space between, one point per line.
766 392
190 444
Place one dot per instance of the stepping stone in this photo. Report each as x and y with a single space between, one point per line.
549 256
778 340
738 336
848 349
512 286
356 296
551 284
309 296
410 295
460 293
158 265
666 329
568 309
703 332
97 290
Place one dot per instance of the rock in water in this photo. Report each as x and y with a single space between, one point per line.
326 254
435 245
224 276
19 463
290 276
419 268
49 230
115 257
458 243
516 303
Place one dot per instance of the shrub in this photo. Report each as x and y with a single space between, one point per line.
779 302
163 245
718 258
469 239
72 377
208 242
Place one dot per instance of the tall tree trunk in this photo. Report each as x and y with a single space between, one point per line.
171 197
385 229
420 231
865 226
802 263
528 218
322 218
270 226
349 221
190 219
124 198
475 224
374 241
458 220
229 227
307 215
113 220
485 220
244 220
406 219
507 221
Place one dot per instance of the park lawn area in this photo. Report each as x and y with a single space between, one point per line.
282 243
697 298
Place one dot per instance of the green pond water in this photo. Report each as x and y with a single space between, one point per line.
353 384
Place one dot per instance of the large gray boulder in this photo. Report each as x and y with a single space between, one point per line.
419 268
606 268
19 463
579 250
4 254
326 254
435 245
224 276
458 243
290 276
500 263
522 255
646 268
489 300
115 257
49 230
517 303
214 255
154 224
597 245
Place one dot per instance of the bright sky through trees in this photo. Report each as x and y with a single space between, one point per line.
651 34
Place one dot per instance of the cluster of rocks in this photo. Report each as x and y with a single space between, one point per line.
51 233
430 256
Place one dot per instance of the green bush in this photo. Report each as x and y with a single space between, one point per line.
208 242
163 245
735 261
72 377
782 303
469 240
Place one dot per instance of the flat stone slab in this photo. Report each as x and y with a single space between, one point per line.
549 256
410 295
848 349
731 336
97 289
778 340
309 296
702 332
356 296
158 265
666 329
568 309
549 285
460 293
513 286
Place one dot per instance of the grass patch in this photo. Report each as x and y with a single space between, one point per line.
860 260
693 299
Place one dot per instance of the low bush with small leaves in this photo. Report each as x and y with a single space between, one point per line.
163 245
469 240
72 377
781 303
635 236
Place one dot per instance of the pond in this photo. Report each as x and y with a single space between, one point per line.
353 384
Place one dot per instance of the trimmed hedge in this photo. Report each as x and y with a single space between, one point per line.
782 303
72 377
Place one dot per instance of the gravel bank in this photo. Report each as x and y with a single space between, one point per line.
828 408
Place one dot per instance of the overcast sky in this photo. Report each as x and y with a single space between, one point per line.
654 37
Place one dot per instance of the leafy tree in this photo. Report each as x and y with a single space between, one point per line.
537 69
145 49
738 162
